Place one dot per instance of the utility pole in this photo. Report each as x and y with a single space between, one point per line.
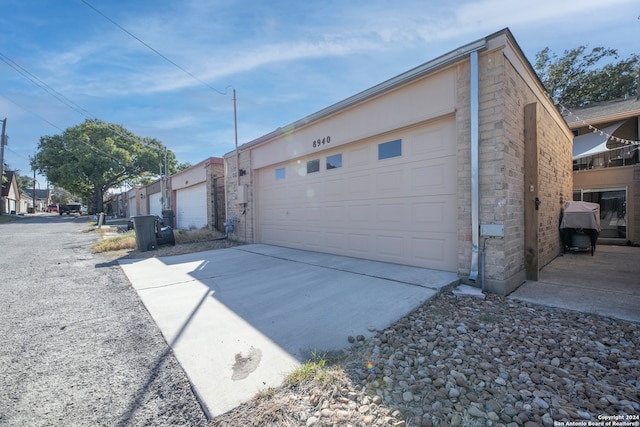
34 183
2 143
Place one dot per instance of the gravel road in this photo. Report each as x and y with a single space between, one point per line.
78 347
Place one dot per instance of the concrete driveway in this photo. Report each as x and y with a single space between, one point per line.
240 319
607 283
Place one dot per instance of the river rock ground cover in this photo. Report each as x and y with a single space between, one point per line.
464 361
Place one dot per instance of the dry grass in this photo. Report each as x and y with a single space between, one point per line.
302 391
115 244
108 244
4 218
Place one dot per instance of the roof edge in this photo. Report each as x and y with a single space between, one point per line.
419 71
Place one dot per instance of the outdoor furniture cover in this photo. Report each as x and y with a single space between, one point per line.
581 215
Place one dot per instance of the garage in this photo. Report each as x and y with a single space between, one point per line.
155 204
191 206
460 164
387 198
133 211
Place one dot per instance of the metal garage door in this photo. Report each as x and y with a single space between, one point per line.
155 204
399 209
191 206
132 207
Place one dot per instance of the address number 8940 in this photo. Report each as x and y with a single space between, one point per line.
320 142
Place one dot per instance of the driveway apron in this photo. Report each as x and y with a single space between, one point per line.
240 319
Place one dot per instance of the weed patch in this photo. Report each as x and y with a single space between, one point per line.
127 241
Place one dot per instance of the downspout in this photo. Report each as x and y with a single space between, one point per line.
475 173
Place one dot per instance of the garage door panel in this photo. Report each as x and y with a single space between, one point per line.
435 215
390 181
440 251
401 210
334 240
155 204
433 143
391 214
391 246
334 214
359 186
334 189
191 207
359 214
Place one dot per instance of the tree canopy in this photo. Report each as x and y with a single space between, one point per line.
577 78
93 157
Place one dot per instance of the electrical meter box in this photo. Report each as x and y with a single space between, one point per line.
242 194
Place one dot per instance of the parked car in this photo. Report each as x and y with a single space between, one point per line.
71 208
52 208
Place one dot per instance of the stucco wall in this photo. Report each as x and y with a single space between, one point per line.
623 176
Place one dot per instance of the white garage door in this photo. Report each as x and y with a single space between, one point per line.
132 207
155 204
390 198
191 206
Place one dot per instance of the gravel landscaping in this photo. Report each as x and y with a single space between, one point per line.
463 361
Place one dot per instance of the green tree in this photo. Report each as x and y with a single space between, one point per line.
579 77
93 157
25 183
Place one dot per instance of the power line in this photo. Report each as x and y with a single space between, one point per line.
31 112
154 50
41 84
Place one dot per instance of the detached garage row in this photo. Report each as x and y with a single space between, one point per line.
195 196
429 169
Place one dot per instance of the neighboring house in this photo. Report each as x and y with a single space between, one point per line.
606 166
429 169
25 203
43 198
197 195
10 194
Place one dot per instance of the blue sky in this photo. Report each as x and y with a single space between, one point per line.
286 59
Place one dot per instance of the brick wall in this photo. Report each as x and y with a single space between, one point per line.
215 197
244 213
503 94
634 194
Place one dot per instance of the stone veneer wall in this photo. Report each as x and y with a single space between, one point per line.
503 96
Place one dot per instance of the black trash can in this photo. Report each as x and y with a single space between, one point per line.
164 236
167 218
145 226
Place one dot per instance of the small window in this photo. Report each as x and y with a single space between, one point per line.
280 173
334 162
390 149
313 166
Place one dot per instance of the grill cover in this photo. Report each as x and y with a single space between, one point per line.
581 215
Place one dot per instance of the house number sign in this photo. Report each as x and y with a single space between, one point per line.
320 142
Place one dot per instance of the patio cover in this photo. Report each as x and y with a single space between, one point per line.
585 215
593 143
